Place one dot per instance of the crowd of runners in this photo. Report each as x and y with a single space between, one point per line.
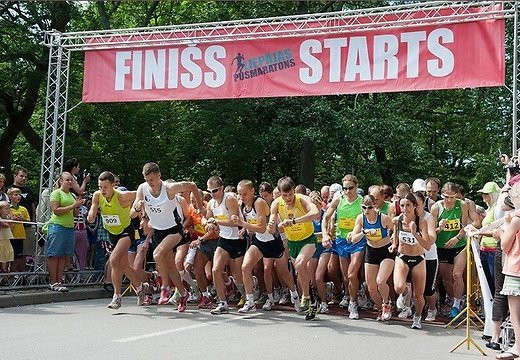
400 253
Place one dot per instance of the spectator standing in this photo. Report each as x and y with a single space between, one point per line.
28 201
6 250
61 237
19 213
3 195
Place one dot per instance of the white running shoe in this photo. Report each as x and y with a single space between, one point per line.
432 315
353 311
406 313
277 294
324 308
285 298
386 312
344 303
416 324
115 303
220 309
297 305
248 307
268 305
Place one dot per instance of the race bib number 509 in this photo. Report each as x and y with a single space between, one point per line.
111 220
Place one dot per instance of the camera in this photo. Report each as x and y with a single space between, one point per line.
512 167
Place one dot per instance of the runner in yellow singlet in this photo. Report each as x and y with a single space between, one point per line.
115 212
296 213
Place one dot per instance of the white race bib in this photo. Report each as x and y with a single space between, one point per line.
111 220
407 238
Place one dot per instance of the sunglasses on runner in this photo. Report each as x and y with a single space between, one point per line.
449 196
365 207
348 187
214 190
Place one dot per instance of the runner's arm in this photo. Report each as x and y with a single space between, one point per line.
137 206
326 218
92 213
357 234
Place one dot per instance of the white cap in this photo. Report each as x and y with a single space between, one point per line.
419 185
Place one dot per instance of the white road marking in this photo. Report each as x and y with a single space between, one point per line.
184 328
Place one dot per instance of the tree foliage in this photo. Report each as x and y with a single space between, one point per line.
382 138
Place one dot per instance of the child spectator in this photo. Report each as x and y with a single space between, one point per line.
19 213
6 250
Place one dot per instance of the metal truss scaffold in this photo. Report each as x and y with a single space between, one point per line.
390 17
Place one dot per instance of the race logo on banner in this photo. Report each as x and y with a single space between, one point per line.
464 55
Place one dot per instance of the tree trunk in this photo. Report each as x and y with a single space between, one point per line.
308 163
386 174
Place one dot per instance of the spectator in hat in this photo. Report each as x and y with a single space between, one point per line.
488 244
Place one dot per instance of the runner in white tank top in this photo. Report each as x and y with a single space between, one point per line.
223 210
263 245
159 201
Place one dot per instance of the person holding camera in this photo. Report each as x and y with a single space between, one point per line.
72 166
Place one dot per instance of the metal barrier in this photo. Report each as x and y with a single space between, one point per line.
39 279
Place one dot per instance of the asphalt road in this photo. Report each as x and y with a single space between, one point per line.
88 330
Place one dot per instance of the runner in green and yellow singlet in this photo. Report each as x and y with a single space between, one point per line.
451 215
296 213
115 212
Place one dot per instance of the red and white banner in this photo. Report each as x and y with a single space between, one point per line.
420 58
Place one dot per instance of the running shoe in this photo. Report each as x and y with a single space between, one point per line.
311 311
297 304
148 299
285 298
344 302
194 297
335 299
454 312
324 308
268 305
262 299
406 313
416 324
379 315
183 300
174 299
353 311
141 293
248 307
432 315
221 308
386 312
242 301
115 303
165 296
204 303
400 302
155 281
304 304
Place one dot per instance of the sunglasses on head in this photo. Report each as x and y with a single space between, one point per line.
348 187
365 207
214 190
449 196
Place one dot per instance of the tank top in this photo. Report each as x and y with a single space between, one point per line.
115 218
488 243
511 258
381 232
347 213
317 226
432 253
453 219
220 212
384 208
295 232
251 217
160 209
406 237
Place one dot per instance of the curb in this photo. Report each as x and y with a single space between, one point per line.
43 296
